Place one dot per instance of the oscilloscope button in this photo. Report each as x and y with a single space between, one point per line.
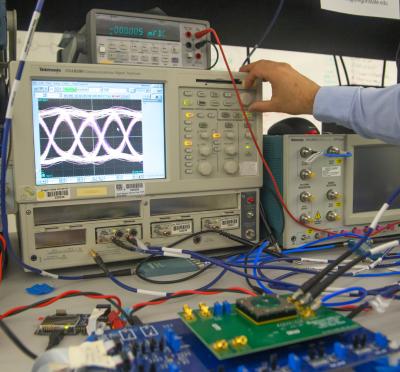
205 150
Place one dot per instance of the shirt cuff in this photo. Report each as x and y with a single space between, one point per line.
334 104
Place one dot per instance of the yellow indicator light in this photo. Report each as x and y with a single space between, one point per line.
249 115
187 143
216 135
187 102
204 310
220 345
189 115
247 147
239 341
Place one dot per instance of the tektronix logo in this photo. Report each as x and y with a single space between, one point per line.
47 69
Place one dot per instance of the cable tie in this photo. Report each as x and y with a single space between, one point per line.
152 293
314 156
380 304
47 274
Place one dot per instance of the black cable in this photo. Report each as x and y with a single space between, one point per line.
325 283
217 53
383 73
397 59
345 70
55 338
305 287
17 342
358 310
337 70
270 235
266 32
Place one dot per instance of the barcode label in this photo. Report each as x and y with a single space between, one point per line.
129 189
53 194
230 222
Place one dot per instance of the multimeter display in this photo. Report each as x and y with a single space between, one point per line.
122 26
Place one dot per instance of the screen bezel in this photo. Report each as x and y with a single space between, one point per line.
33 78
350 217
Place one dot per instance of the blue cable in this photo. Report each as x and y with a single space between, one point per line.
256 260
362 293
347 154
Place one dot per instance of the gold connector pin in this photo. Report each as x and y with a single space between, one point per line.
220 345
204 310
188 312
239 341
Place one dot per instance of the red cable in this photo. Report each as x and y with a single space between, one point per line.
159 302
266 166
59 297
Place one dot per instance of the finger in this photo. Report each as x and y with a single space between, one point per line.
262 70
248 67
263 106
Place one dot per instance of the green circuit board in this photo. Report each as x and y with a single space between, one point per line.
235 333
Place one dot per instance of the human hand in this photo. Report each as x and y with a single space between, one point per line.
292 93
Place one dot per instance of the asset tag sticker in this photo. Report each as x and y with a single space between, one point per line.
332 171
53 194
129 189
248 168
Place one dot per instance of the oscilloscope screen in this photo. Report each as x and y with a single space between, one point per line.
94 132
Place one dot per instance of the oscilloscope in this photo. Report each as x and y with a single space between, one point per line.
99 149
335 182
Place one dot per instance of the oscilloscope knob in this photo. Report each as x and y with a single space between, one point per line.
306 174
204 168
230 150
306 197
205 150
230 135
231 167
332 195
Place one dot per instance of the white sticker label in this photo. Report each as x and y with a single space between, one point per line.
90 354
333 171
53 194
129 189
248 168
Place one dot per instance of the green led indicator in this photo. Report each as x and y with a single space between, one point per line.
70 89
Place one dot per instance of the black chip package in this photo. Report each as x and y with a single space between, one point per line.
266 308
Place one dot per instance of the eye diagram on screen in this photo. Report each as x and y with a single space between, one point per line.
106 137
95 132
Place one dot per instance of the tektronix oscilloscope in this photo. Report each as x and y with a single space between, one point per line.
103 149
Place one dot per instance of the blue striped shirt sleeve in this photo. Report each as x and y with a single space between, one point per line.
370 112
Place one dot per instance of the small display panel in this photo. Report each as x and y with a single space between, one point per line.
376 176
124 26
86 131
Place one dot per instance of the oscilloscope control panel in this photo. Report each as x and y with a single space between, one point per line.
313 186
214 136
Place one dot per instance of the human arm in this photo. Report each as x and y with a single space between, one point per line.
371 112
